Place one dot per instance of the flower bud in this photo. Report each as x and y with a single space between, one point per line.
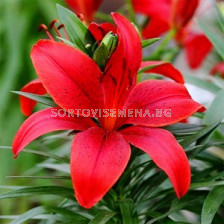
105 49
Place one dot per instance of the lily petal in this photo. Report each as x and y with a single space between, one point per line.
86 7
218 69
27 105
161 103
97 161
99 31
155 27
165 151
182 12
70 76
163 68
45 121
152 8
122 67
197 47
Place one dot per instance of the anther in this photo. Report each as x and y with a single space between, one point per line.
62 26
44 27
52 26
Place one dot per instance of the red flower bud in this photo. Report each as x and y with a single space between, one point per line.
182 12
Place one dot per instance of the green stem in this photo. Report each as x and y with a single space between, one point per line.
131 11
163 44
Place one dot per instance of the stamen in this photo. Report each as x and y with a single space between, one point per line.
52 25
44 27
64 30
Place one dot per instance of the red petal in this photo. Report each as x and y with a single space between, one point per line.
156 96
97 161
218 69
85 7
121 71
182 12
152 8
122 67
26 104
45 121
155 28
70 76
99 31
165 151
197 47
159 14
163 68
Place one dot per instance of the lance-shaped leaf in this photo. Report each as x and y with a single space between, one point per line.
211 205
215 37
46 100
42 190
215 113
77 31
149 42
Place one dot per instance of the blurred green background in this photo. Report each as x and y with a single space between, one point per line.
19 21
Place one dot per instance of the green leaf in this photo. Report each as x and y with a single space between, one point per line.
184 129
46 154
220 13
146 43
68 216
46 100
43 190
206 184
211 205
215 113
204 132
77 31
68 42
126 207
211 87
215 37
42 177
28 215
103 217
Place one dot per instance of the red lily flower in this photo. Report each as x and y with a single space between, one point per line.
180 12
85 7
100 153
218 69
